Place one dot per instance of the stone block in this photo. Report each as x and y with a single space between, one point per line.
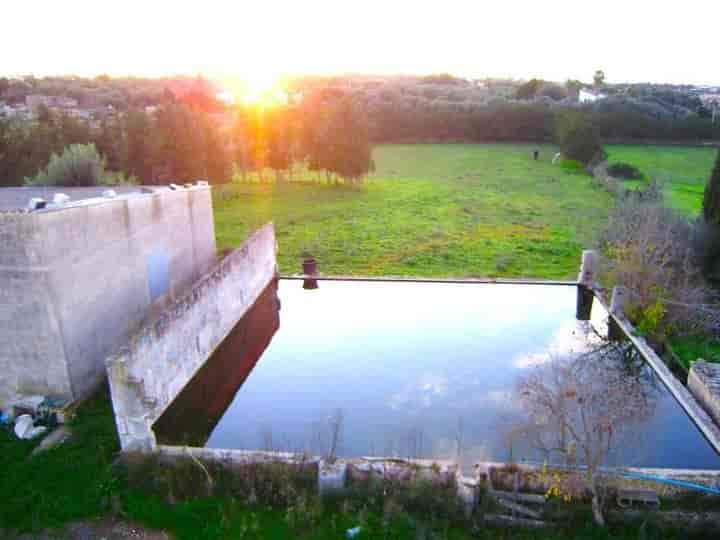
704 383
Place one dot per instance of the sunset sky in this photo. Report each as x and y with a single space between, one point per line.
632 40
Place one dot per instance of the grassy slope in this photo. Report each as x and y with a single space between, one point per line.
430 210
683 170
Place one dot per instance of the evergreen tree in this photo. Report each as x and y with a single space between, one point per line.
349 142
711 199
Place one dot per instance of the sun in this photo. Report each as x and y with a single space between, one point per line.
261 89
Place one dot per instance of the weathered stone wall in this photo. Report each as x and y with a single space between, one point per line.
151 370
76 280
704 383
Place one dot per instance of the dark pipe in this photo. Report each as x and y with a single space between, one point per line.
585 299
309 267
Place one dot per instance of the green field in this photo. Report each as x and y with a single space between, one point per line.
682 170
428 210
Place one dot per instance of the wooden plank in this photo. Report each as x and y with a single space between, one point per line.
626 497
518 508
522 497
504 521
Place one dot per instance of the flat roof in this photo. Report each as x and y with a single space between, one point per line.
13 199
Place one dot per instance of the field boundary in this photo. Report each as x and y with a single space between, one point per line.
465 281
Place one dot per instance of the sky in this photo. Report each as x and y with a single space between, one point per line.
631 40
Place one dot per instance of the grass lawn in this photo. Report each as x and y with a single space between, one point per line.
683 170
428 210
689 349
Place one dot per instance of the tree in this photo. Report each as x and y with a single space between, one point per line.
78 165
578 139
599 78
138 127
218 166
349 142
239 144
581 408
529 90
279 139
711 198
573 87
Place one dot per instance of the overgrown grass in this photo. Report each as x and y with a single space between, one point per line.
689 349
428 210
683 170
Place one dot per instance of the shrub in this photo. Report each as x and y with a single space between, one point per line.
578 139
711 199
707 248
625 171
78 165
651 251
572 166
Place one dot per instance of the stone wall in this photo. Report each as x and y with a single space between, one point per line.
151 370
76 280
704 383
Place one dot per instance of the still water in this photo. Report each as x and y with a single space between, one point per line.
431 370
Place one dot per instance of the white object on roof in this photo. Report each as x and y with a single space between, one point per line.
61 198
109 194
36 202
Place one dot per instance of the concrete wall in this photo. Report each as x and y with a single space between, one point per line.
151 370
75 281
704 383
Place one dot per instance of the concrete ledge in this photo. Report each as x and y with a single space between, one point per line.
704 383
146 375
410 279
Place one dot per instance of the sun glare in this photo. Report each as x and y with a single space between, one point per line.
262 89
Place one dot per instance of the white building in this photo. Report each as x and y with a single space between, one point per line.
587 96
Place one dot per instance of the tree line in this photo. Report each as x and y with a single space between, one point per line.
183 142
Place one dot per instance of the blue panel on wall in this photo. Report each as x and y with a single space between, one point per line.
158 272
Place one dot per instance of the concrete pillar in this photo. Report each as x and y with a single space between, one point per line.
588 268
585 297
309 267
331 477
617 308
618 301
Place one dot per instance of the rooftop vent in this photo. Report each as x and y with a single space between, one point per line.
36 203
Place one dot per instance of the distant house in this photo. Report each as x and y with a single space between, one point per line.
710 100
35 101
589 96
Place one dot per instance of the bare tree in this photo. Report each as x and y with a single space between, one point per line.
578 408
651 252
335 425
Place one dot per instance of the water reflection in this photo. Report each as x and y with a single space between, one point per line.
588 408
196 411
429 370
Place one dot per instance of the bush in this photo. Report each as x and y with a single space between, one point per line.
78 165
572 166
711 199
651 251
578 139
625 171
